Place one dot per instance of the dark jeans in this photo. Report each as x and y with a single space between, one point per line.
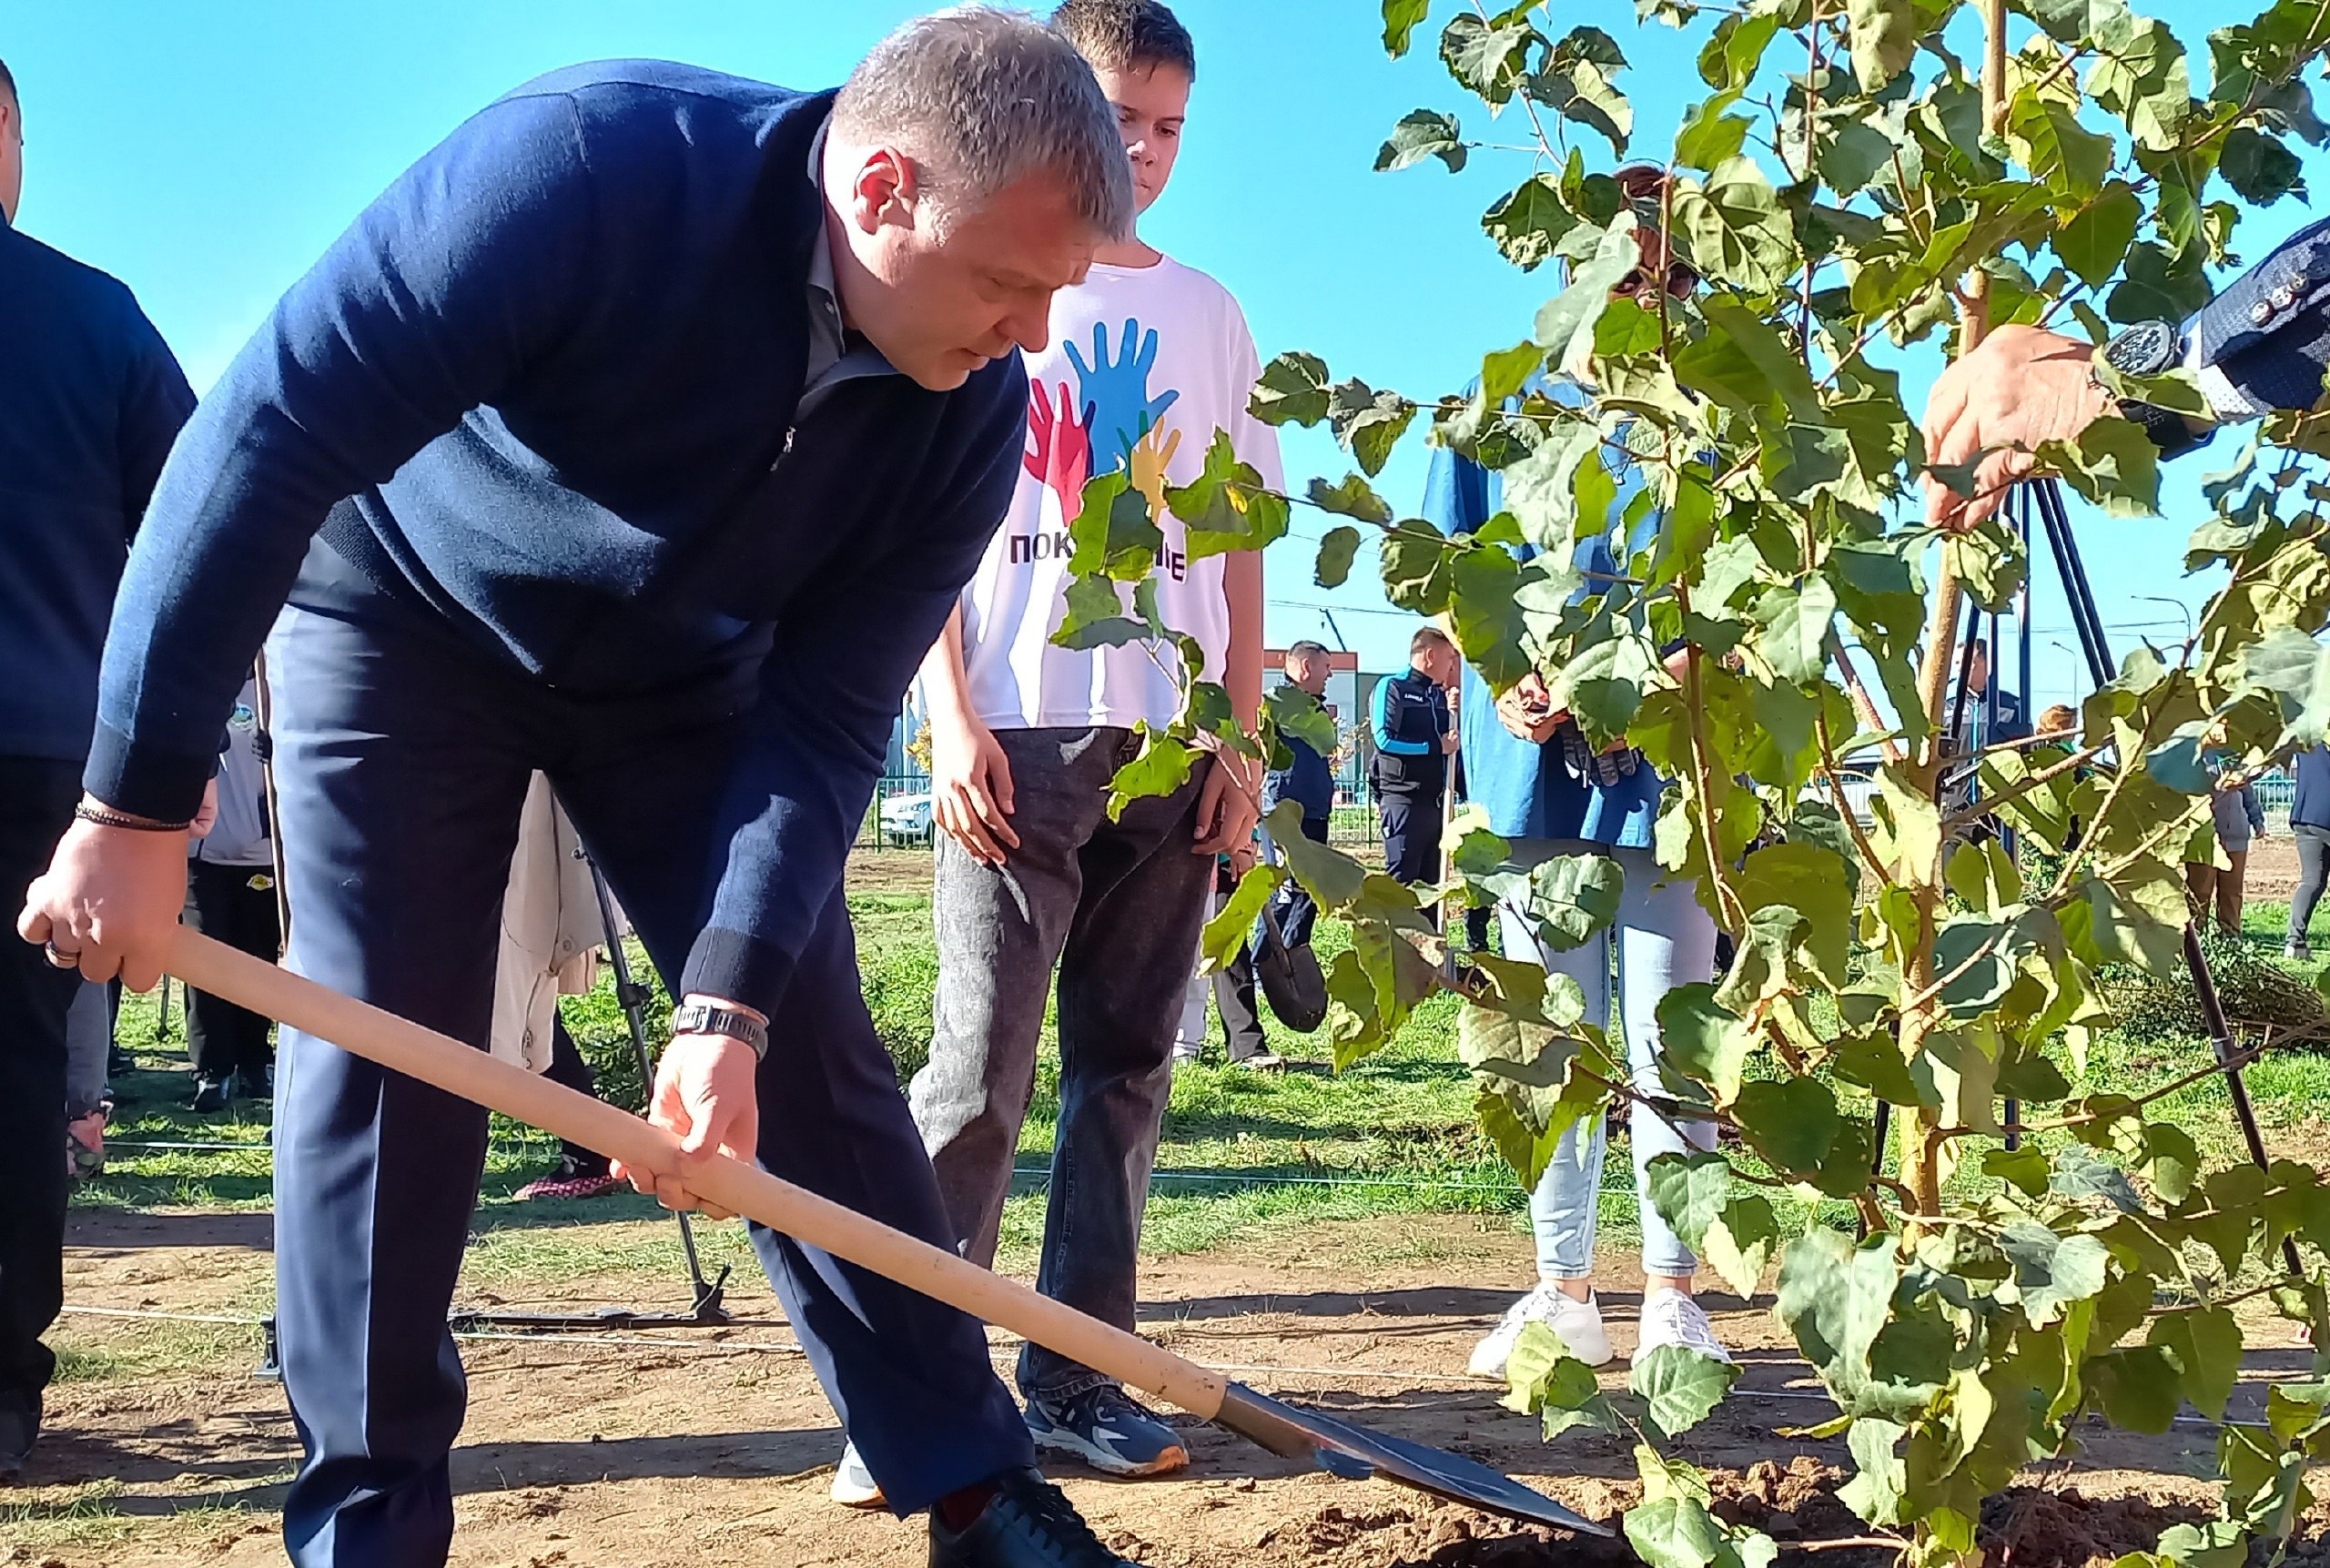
1410 835
2312 872
36 799
567 1066
1233 993
1116 906
1293 910
222 1038
403 760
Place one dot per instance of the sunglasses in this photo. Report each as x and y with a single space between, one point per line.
1681 282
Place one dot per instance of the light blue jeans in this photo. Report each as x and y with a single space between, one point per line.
1663 939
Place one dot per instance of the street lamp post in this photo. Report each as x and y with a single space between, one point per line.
2181 609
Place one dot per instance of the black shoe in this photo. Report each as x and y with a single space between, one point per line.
1029 1523
253 1084
211 1094
19 1428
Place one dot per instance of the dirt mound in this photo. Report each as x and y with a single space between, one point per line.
1796 1503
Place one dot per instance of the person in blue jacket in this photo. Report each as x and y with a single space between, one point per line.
1414 735
2259 346
1548 791
90 398
2310 829
648 400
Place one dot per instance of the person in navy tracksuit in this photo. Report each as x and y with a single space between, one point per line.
1407 718
649 399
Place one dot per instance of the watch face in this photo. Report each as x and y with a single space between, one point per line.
2146 348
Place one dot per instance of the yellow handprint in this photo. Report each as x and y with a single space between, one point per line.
1150 457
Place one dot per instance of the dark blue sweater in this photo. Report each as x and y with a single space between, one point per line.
89 400
557 365
2310 770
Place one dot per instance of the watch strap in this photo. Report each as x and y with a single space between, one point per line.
2171 431
704 1018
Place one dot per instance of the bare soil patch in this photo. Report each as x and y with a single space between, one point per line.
716 1447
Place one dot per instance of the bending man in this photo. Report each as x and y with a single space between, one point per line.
647 401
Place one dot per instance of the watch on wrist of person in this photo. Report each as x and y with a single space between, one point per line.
705 1019
2150 349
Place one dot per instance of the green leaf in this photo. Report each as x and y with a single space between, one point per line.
1689 1192
1792 1122
1421 134
1095 617
2050 1271
1834 1298
1530 222
1367 421
1811 880
1578 80
1734 229
1577 307
2259 166
1161 766
1676 1531
1733 53
2145 83
1572 896
1291 390
1702 1041
1740 1243
1884 36
1418 565
2096 240
1489 626
1354 497
2046 135
1486 58
1227 507
2297 669
1227 932
1113 532
1795 624
1329 876
2136 1388
2205 1346
1680 1386
1874 1493
1401 19
1710 134
1291 711
1337 546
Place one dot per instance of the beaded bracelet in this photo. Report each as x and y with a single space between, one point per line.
106 816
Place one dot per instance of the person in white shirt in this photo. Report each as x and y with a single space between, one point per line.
1149 358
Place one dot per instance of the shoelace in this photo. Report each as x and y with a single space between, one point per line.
1057 1529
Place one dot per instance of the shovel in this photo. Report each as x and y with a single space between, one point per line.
1339 1448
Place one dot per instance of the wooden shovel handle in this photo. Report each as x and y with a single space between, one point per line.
445 1063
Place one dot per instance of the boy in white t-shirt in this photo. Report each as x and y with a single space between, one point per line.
1148 359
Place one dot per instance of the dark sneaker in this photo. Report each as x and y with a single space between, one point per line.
1029 1523
259 1084
211 1094
2297 951
1108 1429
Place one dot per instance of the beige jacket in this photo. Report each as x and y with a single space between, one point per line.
550 932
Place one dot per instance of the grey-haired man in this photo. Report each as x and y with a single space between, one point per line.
648 399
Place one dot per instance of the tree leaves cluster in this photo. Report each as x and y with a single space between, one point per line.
1747 450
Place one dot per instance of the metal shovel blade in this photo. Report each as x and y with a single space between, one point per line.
1355 1454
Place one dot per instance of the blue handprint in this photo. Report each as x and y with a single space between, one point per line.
1117 394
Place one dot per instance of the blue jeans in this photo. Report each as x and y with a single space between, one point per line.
1663 939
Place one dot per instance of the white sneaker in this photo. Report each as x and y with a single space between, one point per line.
854 1485
1577 1324
1671 1318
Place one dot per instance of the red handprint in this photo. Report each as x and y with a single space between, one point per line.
1062 457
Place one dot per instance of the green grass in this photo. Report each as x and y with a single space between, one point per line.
1241 1152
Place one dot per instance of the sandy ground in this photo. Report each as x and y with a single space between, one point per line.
717 1447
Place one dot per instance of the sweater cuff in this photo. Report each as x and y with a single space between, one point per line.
738 966
144 780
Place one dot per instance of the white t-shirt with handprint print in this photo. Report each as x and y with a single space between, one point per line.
1145 364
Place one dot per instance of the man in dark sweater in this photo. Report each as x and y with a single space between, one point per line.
89 400
1310 783
647 401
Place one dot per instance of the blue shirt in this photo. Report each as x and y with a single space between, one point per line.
1527 790
90 399
548 390
1306 780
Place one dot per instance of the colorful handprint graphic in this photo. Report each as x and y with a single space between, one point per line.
1151 457
1117 392
1062 453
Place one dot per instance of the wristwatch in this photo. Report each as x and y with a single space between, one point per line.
2151 349
704 1018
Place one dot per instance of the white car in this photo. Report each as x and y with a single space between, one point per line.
906 819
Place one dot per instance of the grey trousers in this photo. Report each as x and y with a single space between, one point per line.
1116 906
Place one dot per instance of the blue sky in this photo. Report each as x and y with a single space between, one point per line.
206 154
